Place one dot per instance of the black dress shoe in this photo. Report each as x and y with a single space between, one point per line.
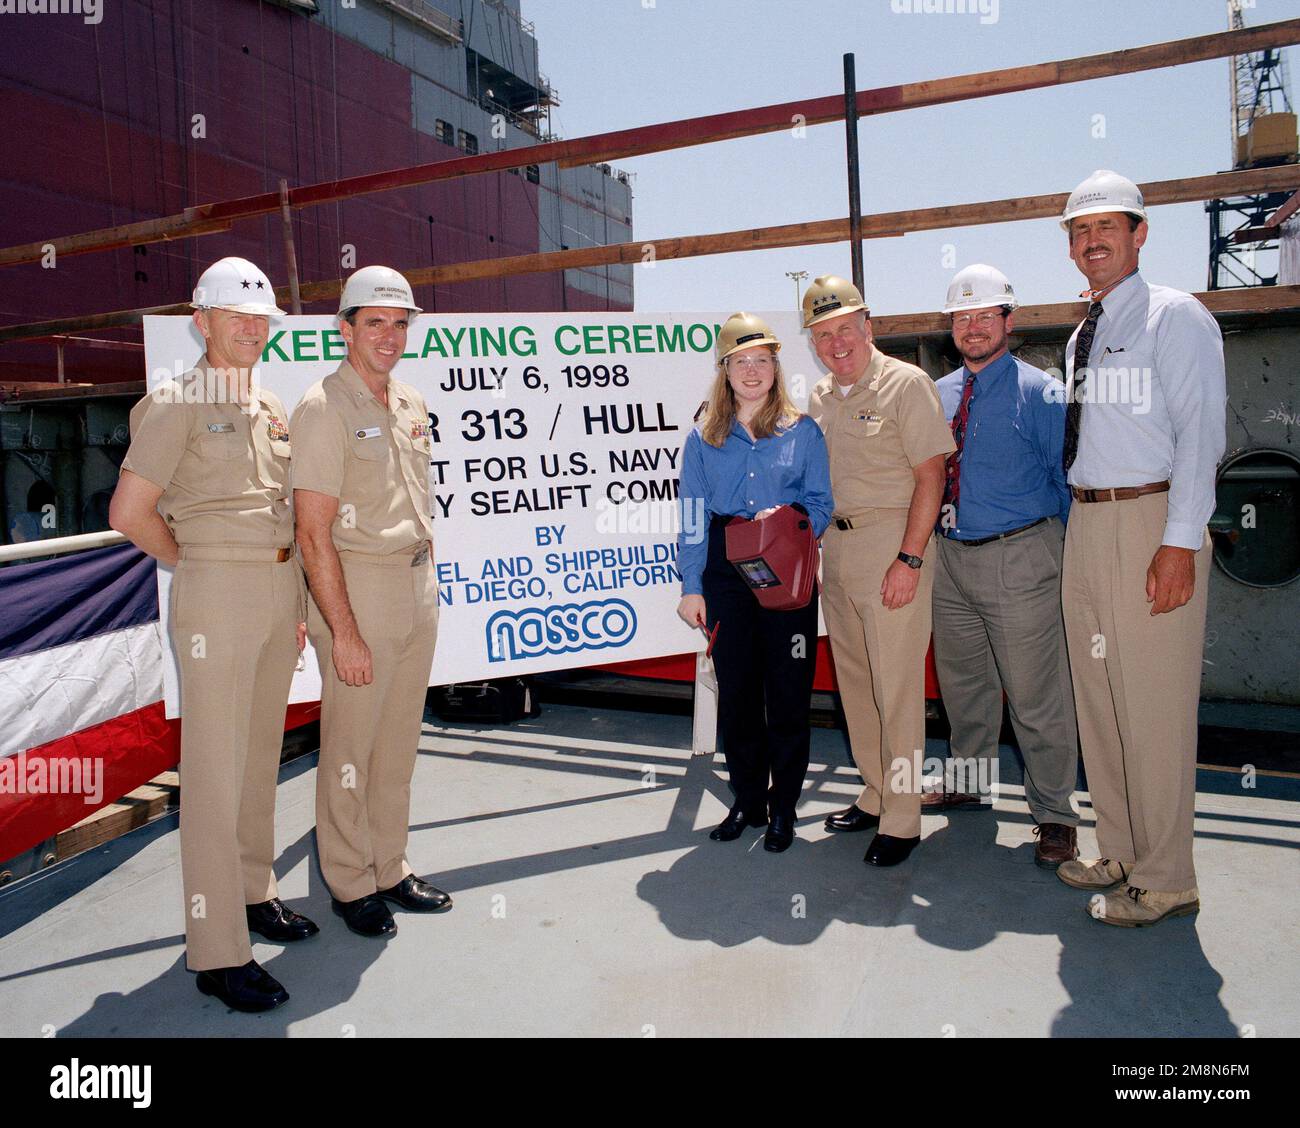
733 826
249 988
886 850
276 921
417 895
855 818
366 916
780 833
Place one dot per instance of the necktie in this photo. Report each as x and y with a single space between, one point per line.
952 465
1074 409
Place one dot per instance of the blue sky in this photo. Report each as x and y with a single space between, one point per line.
622 63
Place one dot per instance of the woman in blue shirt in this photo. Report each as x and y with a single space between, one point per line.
753 452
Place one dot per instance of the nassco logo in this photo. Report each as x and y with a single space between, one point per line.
531 632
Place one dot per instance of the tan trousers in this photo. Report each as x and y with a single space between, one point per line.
879 664
370 733
233 619
1137 680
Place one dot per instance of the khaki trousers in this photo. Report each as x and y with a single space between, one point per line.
233 619
370 734
879 664
1137 680
998 626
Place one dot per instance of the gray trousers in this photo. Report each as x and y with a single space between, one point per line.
998 627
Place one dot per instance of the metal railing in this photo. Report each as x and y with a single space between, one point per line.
31 550
426 15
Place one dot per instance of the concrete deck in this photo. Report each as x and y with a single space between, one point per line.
589 900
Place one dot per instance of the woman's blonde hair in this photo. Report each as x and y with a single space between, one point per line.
778 413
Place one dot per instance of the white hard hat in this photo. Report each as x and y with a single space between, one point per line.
377 286
237 285
979 286
1104 191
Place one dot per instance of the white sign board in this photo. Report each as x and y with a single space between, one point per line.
556 451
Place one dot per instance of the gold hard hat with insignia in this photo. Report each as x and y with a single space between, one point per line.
744 331
830 296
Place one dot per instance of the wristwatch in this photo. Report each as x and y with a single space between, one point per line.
913 562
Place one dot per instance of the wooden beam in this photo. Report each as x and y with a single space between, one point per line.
99 343
639 141
141 806
1271 228
1253 235
183 226
1060 315
88 323
1285 212
879 226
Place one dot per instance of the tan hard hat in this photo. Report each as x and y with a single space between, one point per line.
830 296
744 331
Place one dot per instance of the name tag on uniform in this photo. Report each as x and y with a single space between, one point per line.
221 428
370 432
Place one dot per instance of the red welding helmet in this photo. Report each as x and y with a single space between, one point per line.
777 557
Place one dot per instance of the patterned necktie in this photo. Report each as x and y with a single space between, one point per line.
1074 409
952 465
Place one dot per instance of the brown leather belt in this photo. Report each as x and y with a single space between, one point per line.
236 554
1119 493
999 536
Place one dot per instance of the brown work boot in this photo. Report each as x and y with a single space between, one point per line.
940 802
1095 875
1130 907
1056 843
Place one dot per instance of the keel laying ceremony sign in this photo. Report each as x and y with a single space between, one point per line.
556 452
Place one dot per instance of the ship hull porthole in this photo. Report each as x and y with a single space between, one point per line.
1256 522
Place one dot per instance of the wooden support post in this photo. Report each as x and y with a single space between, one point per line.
290 256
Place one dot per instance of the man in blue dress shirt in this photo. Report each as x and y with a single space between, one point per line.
1144 431
997 579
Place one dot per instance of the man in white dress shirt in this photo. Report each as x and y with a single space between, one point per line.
1144 432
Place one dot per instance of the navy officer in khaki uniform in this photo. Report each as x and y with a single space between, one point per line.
205 488
362 444
887 439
